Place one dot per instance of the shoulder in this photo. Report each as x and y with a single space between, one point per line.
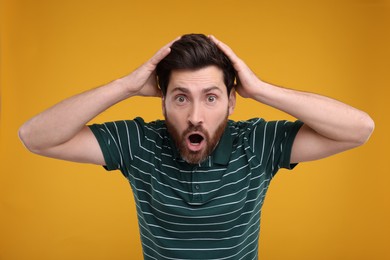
262 124
153 129
136 127
260 130
246 125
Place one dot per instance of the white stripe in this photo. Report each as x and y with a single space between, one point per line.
246 230
188 192
262 150
199 217
117 147
128 138
138 135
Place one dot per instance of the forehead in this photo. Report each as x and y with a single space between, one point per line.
197 80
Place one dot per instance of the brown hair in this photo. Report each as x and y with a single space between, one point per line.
194 51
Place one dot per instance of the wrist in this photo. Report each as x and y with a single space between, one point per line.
261 91
122 85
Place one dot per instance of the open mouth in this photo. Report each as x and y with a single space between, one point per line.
195 139
195 142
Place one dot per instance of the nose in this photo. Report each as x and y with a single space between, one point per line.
195 116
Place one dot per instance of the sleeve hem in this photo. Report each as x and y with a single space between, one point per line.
293 133
106 154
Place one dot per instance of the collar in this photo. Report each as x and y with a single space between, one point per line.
221 154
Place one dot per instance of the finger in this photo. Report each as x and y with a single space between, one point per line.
161 54
225 49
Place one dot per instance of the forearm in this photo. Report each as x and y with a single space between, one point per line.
328 117
64 120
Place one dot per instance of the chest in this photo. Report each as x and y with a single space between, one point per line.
171 191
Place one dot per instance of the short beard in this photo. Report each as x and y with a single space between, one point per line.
197 157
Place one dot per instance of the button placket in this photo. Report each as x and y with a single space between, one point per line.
195 186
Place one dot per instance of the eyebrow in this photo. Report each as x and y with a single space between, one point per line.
180 89
186 90
211 89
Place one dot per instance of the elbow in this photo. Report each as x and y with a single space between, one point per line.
26 139
22 133
366 128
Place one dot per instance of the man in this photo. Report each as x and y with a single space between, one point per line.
199 180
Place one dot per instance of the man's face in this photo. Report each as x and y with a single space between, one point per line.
196 109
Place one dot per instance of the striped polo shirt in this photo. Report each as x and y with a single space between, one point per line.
206 211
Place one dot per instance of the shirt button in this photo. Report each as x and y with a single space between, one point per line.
197 187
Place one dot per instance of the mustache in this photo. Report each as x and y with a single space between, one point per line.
195 128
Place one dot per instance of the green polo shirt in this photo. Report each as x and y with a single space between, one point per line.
206 211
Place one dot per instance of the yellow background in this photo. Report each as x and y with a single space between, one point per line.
337 208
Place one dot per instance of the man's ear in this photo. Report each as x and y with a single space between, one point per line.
232 101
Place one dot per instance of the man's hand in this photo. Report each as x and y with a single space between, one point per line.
142 81
330 126
61 131
247 82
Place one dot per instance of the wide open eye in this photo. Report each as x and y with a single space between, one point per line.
180 99
211 98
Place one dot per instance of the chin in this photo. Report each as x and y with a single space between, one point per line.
194 158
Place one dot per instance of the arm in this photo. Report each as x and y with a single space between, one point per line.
330 126
61 132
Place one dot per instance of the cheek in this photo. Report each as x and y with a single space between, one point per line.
167 111
176 118
173 114
215 120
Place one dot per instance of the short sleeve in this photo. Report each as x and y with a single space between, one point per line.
119 141
273 141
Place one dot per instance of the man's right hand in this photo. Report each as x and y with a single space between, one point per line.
61 132
142 81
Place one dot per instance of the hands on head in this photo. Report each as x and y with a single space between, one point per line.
247 81
142 81
329 124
